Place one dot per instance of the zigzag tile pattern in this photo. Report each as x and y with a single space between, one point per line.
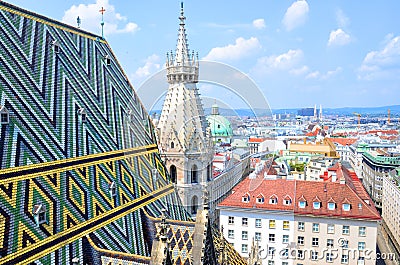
44 92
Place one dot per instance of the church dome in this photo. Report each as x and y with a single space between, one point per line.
219 125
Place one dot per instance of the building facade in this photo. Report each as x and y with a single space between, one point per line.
376 166
302 222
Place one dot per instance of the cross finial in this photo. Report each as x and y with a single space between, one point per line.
102 10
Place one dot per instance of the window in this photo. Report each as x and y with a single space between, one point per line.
272 224
258 223
331 229
193 174
271 251
285 253
314 255
4 115
112 189
245 221
344 243
362 231
107 59
331 206
39 213
244 235
329 243
329 257
231 220
82 114
302 204
346 230
316 205
287 201
285 239
273 200
271 262
260 199
300 254
286 225
271 238
360 261
285 263
246 198
257 236
300 240
315 242
300 226
244 248
361 245
315 227
56 46
346 207
231 233
360 206
172 145
344 259
172 172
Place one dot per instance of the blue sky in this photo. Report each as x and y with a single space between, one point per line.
299 53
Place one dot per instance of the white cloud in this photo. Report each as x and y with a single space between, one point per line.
295 15
341 19
383 63
300 71
259 23
327 75
288 61
338 37
151 65
240 49
90 18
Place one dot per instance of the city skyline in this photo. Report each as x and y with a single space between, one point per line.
299 53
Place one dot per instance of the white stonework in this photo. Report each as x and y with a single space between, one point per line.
183 133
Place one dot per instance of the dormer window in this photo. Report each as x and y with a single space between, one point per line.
107 59
260 198
346 207
316 205
302 204
112 189
246 198
4 115
287 200
82 113
331 206
39 213
56 46
273 199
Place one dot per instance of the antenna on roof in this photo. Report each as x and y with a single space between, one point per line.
78 21
102 10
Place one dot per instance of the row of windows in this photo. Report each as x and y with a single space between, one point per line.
272 200
362 230
314 255
331 205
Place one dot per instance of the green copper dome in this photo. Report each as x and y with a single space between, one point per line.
219 125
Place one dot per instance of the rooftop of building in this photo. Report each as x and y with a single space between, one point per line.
285 195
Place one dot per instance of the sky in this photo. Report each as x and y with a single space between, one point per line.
299 53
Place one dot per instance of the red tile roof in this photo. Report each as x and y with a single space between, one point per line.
256 140
298 190
343 141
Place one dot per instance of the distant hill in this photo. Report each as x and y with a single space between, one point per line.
394 110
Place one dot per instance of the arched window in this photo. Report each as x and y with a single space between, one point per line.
193 174
194 205
209 173
172 172
172 145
